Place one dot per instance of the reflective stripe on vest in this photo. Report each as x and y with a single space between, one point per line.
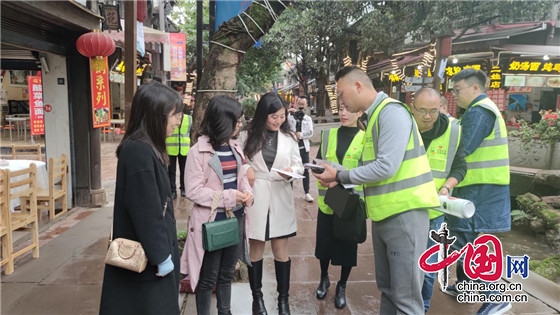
441 154
489 163
180 140
411 187
351 160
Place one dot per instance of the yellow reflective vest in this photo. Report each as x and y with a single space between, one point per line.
441 154
179 142
489 163
412 186
351 160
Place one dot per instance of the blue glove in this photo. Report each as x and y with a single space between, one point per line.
165 267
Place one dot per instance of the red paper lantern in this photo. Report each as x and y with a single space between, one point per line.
95 45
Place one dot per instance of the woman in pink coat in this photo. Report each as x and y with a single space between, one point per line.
214 164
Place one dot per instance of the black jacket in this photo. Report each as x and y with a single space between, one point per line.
141 192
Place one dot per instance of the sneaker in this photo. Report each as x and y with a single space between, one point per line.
451 290
494 309
308 198
183 194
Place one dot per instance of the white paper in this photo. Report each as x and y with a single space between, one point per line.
291 174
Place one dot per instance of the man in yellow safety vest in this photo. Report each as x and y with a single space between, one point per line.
398 189
178 145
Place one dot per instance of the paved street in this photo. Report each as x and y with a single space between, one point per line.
66 278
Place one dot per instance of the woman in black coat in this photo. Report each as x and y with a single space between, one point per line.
143 209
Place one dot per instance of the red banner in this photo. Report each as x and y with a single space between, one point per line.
37 117
100 96
498 97
178 54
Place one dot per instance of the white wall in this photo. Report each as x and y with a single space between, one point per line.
57 127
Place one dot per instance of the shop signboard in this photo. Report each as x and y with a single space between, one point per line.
535 81
532 66
37 118
453 70
100 96
496 77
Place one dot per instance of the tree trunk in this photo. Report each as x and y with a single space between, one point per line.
322 98
227 49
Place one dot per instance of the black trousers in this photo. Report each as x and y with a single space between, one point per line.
305 159
172 171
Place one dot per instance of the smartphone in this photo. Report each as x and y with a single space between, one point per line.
317 169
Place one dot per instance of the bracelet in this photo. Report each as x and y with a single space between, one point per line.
448 189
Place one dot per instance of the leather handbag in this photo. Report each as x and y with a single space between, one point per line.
126 254
220 234
349 219
340 200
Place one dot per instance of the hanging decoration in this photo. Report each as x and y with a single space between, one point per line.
96 46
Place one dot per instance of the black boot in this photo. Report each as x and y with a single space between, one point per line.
255 282
323 287
340 298
283 282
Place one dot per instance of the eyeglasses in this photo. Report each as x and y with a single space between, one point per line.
423 112
457 90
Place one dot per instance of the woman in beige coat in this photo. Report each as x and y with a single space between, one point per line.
269 144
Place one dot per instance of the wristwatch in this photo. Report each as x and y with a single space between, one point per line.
337 178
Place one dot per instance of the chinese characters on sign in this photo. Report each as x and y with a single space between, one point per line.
453 70
100 97
496 77
37 117
534 66
178 52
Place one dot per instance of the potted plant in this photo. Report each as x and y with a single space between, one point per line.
538 142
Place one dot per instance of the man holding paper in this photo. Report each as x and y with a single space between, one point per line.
441 137
398 189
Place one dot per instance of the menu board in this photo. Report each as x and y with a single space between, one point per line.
514 80
553 81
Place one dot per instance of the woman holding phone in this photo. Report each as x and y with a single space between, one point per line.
342 146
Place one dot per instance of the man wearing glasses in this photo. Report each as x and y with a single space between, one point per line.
486 183
441 137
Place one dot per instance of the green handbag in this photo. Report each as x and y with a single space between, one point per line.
220 234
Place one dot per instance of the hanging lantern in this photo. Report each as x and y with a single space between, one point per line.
96 46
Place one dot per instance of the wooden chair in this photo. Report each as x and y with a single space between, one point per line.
21 184
46 199
32 151
5 233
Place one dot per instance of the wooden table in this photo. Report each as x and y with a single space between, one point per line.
41 175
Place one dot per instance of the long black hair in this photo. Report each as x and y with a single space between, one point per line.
151 106
220 119
269 103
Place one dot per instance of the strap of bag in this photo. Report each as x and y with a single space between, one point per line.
214 206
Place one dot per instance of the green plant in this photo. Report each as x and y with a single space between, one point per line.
547 130
518 215
249 107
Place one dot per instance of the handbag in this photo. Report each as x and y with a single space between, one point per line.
352 229
127 254
220 234
340 200
349 219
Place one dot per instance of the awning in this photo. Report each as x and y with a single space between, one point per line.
402 61
500 31
150 35
537 50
